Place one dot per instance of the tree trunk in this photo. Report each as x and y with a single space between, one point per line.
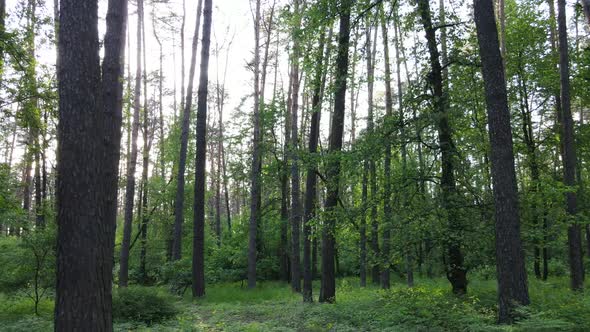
201 159
182 59
160 93
510 266
2 32
131 165
87 136
311 180
256 158
456 272
283 252
328 285
296 212
387 210
533 164
186 115
569 154
586 8
370 54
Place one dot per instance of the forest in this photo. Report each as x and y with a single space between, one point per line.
294 165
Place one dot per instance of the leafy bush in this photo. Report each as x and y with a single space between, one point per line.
427 307
177 275
28 264
143 304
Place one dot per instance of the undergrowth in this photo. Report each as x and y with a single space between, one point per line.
429 306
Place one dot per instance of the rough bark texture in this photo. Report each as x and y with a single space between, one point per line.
283 251
456 272
311 180
132 163
328 285
510 266
296 212
186 115
398 61
370 54
256 158
569 155
387 210
143 215
201 159
88 147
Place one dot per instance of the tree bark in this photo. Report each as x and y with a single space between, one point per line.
296 212
370 55
186 115
160 93
456 271
311 179
510 265
569 154
131 165
328 285
201 159
256 158
283 251
387 210
88 135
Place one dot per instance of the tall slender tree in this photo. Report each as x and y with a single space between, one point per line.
387 209
370 49
132 162
2 32
311 179
328 285
186 116
510 266
296 212
201 159
255 189
456 272
569 155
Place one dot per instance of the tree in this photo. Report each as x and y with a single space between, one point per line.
328 285
132 162
255 185
2 32
311 179
510 266
456 272
186 115
296 212
201 159
387 210
569 155
370 50
88 135
586 7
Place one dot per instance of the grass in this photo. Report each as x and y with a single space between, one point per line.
273 307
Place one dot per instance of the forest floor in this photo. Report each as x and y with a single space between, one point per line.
428 306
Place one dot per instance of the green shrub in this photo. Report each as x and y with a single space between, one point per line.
143 304
177 275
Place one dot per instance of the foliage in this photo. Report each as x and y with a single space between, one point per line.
229 307
143 304
28 264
